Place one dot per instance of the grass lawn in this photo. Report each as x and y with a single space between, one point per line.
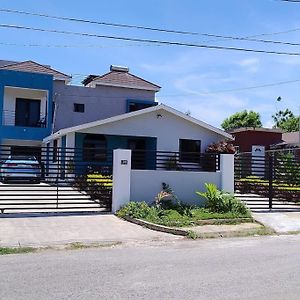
176 217
18 250
173 218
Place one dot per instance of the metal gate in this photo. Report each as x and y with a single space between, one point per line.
269 182
47 179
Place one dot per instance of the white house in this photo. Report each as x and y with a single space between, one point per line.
157 128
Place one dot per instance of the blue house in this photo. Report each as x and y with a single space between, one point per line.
26 104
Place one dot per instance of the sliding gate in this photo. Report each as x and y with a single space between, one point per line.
269 182
51 179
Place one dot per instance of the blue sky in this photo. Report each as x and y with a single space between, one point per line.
191 79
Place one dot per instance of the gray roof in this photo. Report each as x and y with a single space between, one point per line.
34 67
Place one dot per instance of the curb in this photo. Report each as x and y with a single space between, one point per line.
156 227
182 232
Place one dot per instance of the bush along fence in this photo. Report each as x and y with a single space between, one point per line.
276 175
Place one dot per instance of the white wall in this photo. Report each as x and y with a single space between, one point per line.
9 104
168 129
145 185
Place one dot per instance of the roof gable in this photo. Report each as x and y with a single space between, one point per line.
126 80
33 67
138 113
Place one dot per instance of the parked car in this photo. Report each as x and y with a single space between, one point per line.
20 168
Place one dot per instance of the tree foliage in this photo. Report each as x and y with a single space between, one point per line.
242 119
286 120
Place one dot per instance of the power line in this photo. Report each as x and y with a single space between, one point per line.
197 93
294 1
97 22
162 42
76 45
238 89
249 38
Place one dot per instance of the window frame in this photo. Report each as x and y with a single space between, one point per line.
147 103
76 107
185 155
24 112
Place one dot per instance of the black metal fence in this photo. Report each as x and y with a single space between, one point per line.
271 181
175 161
55 178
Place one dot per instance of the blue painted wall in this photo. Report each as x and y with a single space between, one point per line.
30 81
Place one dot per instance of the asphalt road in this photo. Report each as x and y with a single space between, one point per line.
244 268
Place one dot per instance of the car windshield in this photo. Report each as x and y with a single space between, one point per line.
22 157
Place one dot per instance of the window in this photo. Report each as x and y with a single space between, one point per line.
78 107
94 147
189 150
27 112
134 105
54 153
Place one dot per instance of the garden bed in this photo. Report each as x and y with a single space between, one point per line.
181 216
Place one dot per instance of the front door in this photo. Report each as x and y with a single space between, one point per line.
138 156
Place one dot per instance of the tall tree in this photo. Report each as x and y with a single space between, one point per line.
242 119
286 120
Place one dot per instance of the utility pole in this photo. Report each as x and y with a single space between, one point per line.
299 125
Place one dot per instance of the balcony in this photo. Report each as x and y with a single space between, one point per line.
9 119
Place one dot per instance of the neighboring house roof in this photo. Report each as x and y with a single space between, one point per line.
157 108
244 129
34 67
291 137
120 77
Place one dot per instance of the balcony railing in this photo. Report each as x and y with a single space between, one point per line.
175 161
9 119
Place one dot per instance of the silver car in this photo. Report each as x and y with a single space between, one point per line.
20 168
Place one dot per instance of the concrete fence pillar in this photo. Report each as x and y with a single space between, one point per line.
227 172
121 178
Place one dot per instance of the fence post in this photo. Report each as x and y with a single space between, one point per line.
271 170
227 172
57 175
121 178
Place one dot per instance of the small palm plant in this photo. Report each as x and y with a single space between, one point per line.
212 195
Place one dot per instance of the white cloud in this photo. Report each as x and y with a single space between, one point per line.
200 84
251 64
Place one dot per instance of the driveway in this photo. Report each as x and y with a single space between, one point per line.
281 222
47 230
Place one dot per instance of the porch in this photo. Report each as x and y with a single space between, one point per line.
98 148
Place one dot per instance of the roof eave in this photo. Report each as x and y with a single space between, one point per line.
136 87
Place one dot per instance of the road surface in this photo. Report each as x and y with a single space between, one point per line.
240 268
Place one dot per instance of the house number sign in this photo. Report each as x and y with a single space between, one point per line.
124 162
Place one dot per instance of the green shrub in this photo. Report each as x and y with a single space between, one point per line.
221 202
139 210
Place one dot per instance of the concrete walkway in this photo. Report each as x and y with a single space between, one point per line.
51 230
281 222
220 230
